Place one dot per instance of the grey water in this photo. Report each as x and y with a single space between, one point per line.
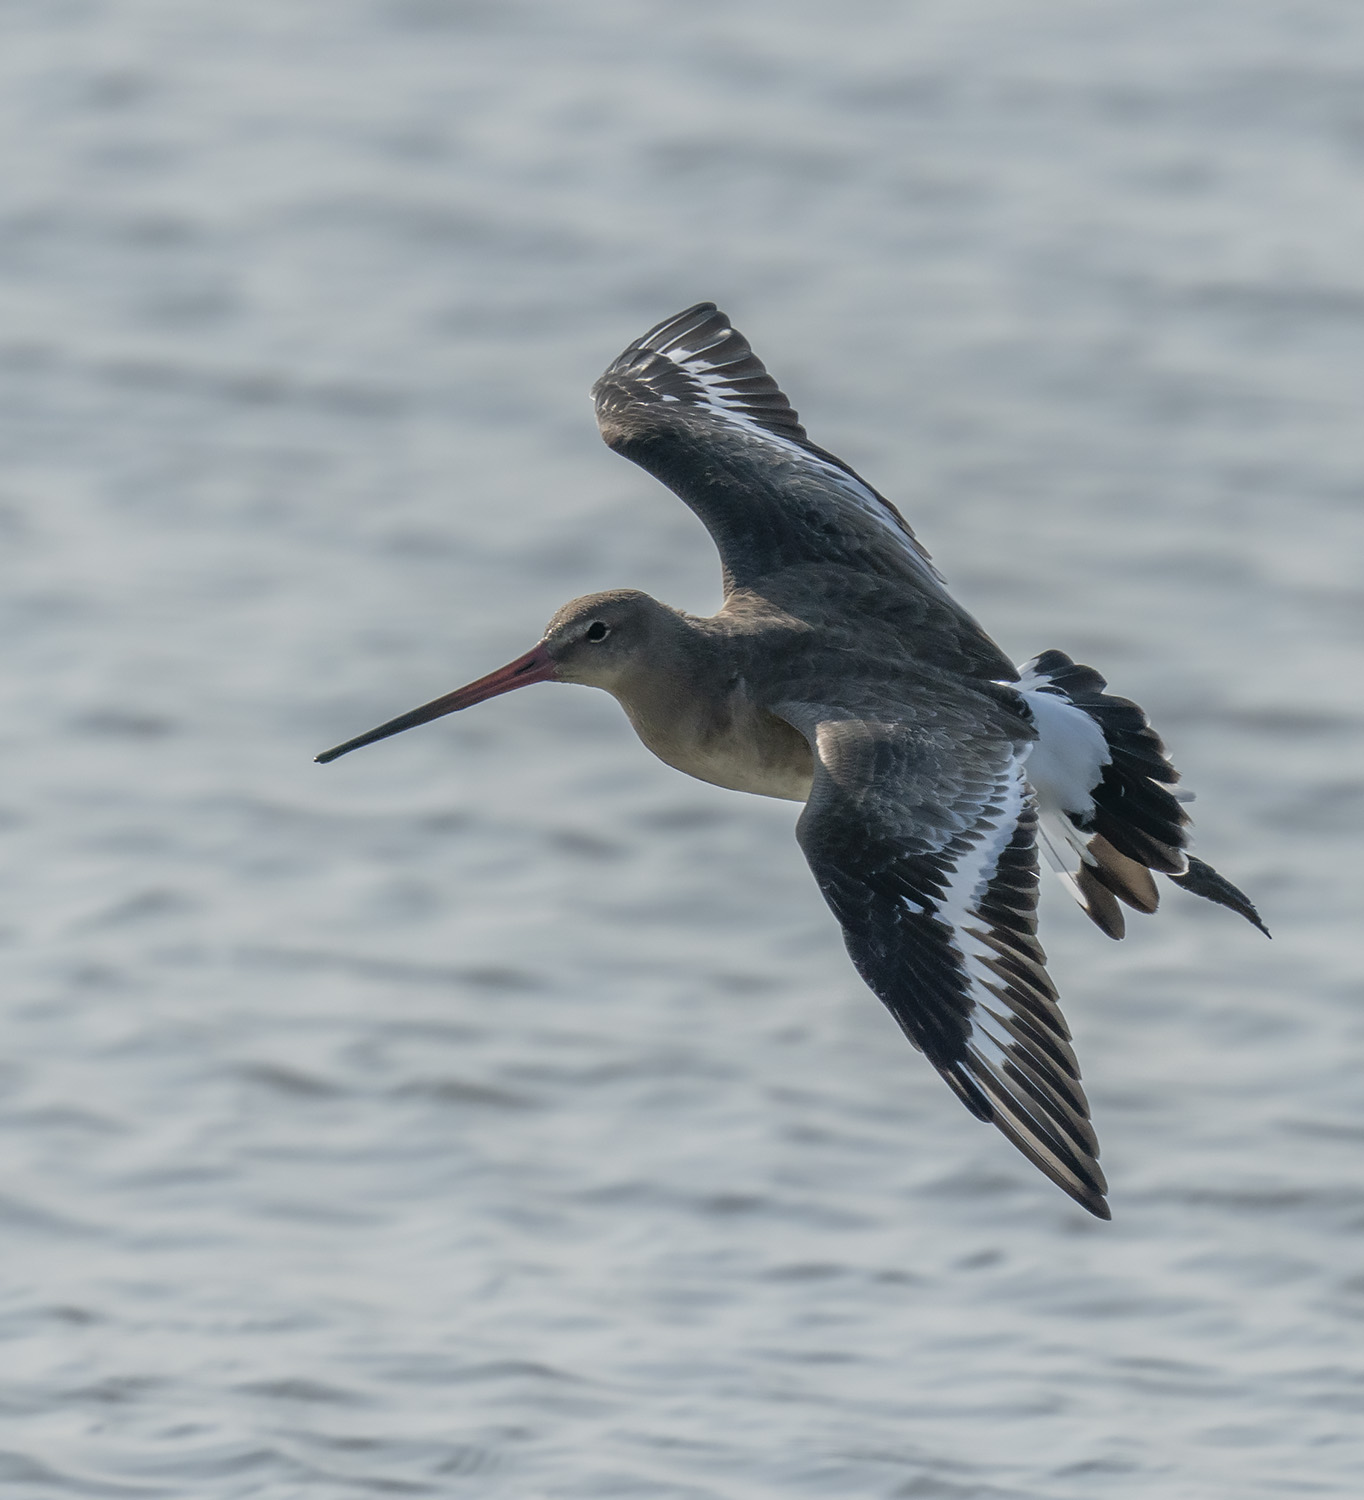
495 1113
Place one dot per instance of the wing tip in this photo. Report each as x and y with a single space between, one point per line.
1054 1145
1080 1178
695 359
1200 879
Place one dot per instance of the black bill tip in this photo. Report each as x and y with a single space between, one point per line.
337 751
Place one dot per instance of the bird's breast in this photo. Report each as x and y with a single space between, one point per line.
728 742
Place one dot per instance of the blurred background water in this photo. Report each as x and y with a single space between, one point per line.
495 1113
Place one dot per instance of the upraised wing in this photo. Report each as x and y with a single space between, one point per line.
922 837
691 403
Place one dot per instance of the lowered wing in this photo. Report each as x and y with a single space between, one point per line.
922 837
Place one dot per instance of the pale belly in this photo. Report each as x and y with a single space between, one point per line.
760 755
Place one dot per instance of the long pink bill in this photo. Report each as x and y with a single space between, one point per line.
535 666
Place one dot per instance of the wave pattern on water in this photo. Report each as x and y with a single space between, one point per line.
495 1113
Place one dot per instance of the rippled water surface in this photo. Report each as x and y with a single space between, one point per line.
495 1113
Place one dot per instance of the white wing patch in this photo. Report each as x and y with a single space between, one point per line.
929 861
960 905
995 828
1036 1103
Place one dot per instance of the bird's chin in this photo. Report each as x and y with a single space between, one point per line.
579 679
585 674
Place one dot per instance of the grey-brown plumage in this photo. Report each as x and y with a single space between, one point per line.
840 673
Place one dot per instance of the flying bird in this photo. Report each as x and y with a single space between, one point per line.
841 674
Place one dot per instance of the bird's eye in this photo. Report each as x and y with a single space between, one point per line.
597 631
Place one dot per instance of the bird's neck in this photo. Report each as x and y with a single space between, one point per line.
695 708
688 671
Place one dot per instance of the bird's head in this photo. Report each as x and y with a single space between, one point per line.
600 639
597 640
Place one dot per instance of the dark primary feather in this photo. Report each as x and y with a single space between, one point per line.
670 361
1201 879
1138 824
902 812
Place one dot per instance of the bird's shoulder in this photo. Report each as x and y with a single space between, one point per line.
860 645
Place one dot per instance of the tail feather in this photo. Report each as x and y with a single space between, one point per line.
1109 809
